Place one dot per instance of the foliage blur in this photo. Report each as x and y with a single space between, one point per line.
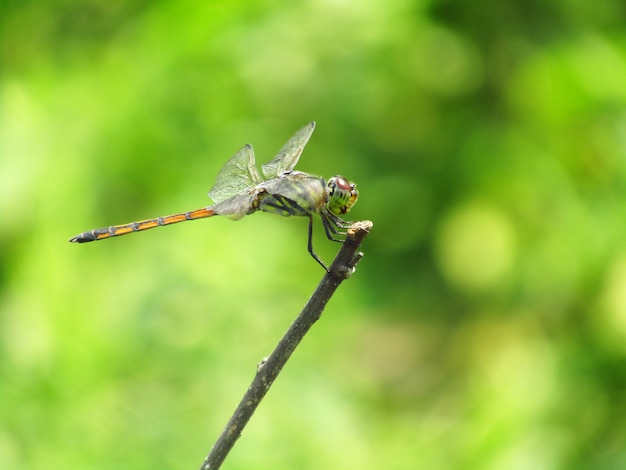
485 327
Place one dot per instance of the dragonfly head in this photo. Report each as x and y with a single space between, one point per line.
342 194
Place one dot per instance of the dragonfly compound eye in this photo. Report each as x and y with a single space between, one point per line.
342 195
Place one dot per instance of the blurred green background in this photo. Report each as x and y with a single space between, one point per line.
484 329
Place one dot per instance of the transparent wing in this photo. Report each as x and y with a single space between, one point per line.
288 156
238 175
235 207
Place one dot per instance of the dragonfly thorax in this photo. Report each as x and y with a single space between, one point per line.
342 195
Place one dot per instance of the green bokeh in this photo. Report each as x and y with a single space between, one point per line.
484 329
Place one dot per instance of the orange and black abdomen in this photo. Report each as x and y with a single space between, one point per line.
117 230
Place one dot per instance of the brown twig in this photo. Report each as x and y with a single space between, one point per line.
267 371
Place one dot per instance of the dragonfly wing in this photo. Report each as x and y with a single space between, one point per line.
290 153
237 176
235 207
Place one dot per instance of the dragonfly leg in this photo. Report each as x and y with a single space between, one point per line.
344 223
339 222
310 245
331 227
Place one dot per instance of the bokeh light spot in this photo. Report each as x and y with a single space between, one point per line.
475 246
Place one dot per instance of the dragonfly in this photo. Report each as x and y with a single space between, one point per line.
239 190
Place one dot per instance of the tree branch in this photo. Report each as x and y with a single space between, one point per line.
267 371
